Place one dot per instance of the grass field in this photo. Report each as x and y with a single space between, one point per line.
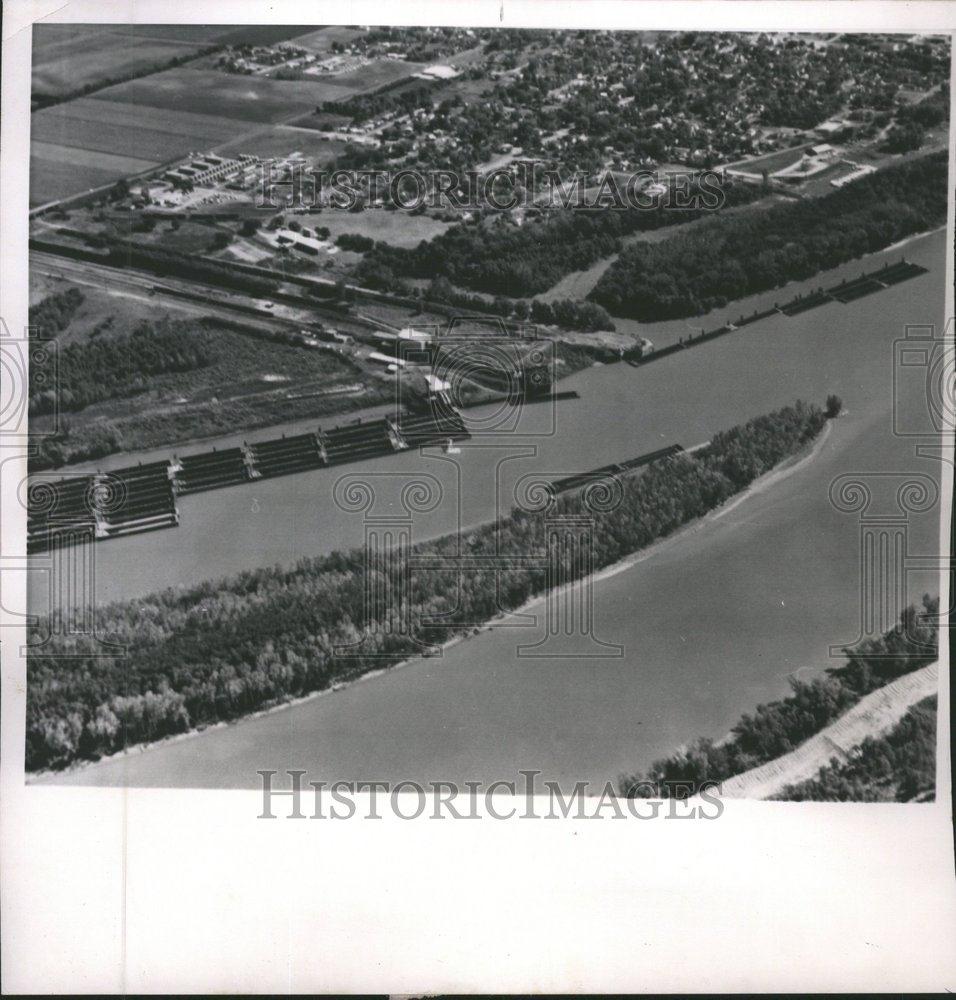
397 228
321 39
377 73
771 162
280 140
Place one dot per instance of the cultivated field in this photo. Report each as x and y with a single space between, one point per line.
67 58
105 140
51 180
110 127
70 57
81 158
143 118
244 98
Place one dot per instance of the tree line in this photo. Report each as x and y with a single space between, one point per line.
697 270
498 257
778 727
897 767
52 314
223 649
121 366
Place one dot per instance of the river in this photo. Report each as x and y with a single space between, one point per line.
712 622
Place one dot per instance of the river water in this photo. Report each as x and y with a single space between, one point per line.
711 623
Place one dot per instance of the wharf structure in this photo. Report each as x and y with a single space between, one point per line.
143 497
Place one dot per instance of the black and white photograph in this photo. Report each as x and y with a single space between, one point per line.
509 420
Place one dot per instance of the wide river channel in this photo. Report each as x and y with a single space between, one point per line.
712 622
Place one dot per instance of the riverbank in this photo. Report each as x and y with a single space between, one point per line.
783 427
873 716
839 348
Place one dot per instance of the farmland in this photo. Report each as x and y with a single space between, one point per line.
59 171
73 132
110 127
69 58
243 98
51 180
142 119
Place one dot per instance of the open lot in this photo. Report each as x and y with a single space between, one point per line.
771 162
398 228
280 140
321 39
378 73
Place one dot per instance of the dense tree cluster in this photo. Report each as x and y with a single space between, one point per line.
570 314
930 112
781 726
502 258
120 366
226 648
897 767
735 256
94 441
355 242
904 138
52 314
403 99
